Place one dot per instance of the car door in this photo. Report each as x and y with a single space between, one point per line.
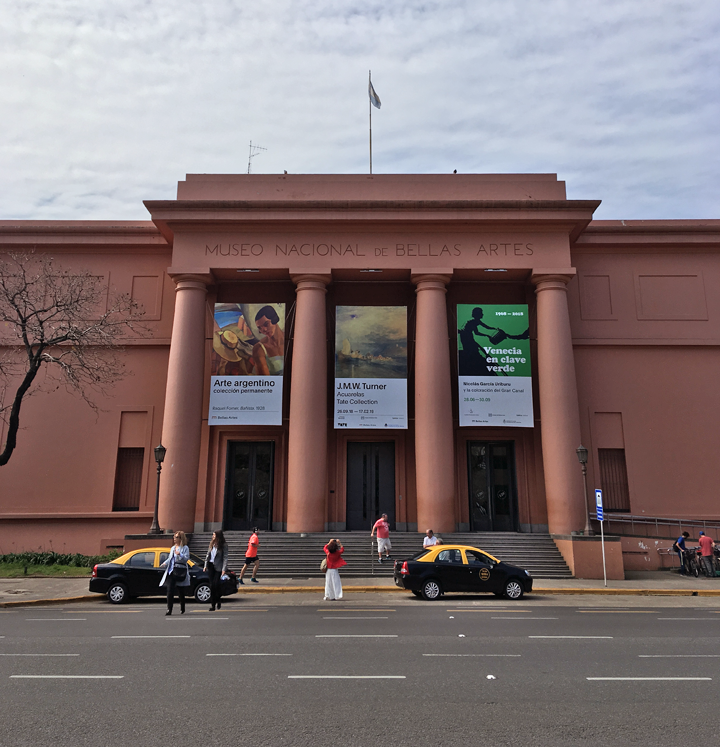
483 574
452 570
142 574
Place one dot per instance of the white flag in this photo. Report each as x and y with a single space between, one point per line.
374 98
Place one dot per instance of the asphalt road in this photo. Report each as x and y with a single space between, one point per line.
369 670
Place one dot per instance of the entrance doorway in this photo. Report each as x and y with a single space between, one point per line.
370 483
491 478
249 485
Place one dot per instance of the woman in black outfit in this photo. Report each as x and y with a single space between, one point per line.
216 564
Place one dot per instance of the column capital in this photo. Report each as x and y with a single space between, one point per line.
430 281
552 278
311 281
199 278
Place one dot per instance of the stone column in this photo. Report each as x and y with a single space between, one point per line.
434 437
182 422
559 410
307 438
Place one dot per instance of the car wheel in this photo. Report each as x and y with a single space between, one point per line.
117 593
202 592
417 593
431 590
514 589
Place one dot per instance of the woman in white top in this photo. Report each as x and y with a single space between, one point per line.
177 575
216 564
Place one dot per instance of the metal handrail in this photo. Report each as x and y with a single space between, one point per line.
712 525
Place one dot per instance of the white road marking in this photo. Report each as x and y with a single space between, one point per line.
679 656
356 636
359 609
487 609
524 618
39 654
346 677
67 676
648 679
105 612
55 619
570 636
248 654
355 618
149 636
488 655
617 612
246 609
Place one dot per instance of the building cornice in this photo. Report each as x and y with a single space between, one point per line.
77 235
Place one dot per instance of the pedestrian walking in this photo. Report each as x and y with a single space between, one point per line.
679 547
706 552
251 557
382 528
335 561
177 575
216 566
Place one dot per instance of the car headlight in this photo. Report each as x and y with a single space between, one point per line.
527 573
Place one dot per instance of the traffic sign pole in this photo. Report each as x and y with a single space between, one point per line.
600 517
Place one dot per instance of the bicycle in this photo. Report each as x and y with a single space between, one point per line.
692 564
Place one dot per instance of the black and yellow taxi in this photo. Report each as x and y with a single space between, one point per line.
443 568
138 573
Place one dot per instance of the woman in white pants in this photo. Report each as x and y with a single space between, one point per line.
335 561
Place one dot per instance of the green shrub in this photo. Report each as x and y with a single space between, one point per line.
55 558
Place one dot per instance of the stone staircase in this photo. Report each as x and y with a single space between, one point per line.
285 555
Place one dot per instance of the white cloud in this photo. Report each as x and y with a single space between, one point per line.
107 104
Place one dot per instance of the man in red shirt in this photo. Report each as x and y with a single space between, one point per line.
706 550
383 537
251 557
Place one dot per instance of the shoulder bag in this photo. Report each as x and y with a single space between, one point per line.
179 571
323 565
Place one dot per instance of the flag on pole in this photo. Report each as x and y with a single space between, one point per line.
374 98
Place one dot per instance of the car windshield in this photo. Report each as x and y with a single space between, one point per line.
196 559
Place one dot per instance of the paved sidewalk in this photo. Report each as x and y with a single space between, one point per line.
19 591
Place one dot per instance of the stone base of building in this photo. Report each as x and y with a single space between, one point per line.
584 556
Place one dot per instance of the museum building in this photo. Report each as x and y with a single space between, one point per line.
302 288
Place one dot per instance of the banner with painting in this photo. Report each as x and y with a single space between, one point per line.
246 364
371 367
494 371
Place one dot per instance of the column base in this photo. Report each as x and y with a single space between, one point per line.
584 556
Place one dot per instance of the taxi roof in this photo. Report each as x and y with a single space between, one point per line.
126 555
447 546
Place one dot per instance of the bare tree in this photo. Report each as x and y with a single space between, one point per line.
64 322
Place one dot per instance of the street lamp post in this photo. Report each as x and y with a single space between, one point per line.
582 455
159 458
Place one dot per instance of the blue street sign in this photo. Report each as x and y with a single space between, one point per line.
599 505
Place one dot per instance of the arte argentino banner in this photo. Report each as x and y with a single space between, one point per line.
371 367
247 363
494 371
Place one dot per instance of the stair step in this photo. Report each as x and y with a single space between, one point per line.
291 555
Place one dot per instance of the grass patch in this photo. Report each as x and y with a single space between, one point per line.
50 564
18 570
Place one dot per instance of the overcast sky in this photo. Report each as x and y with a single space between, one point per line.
105 104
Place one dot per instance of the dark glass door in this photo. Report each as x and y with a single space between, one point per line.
491 478
249 485
370 483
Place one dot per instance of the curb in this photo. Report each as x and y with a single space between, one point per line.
57 600
394 589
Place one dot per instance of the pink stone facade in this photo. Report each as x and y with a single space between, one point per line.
625 339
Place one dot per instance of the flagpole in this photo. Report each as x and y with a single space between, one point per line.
370 115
